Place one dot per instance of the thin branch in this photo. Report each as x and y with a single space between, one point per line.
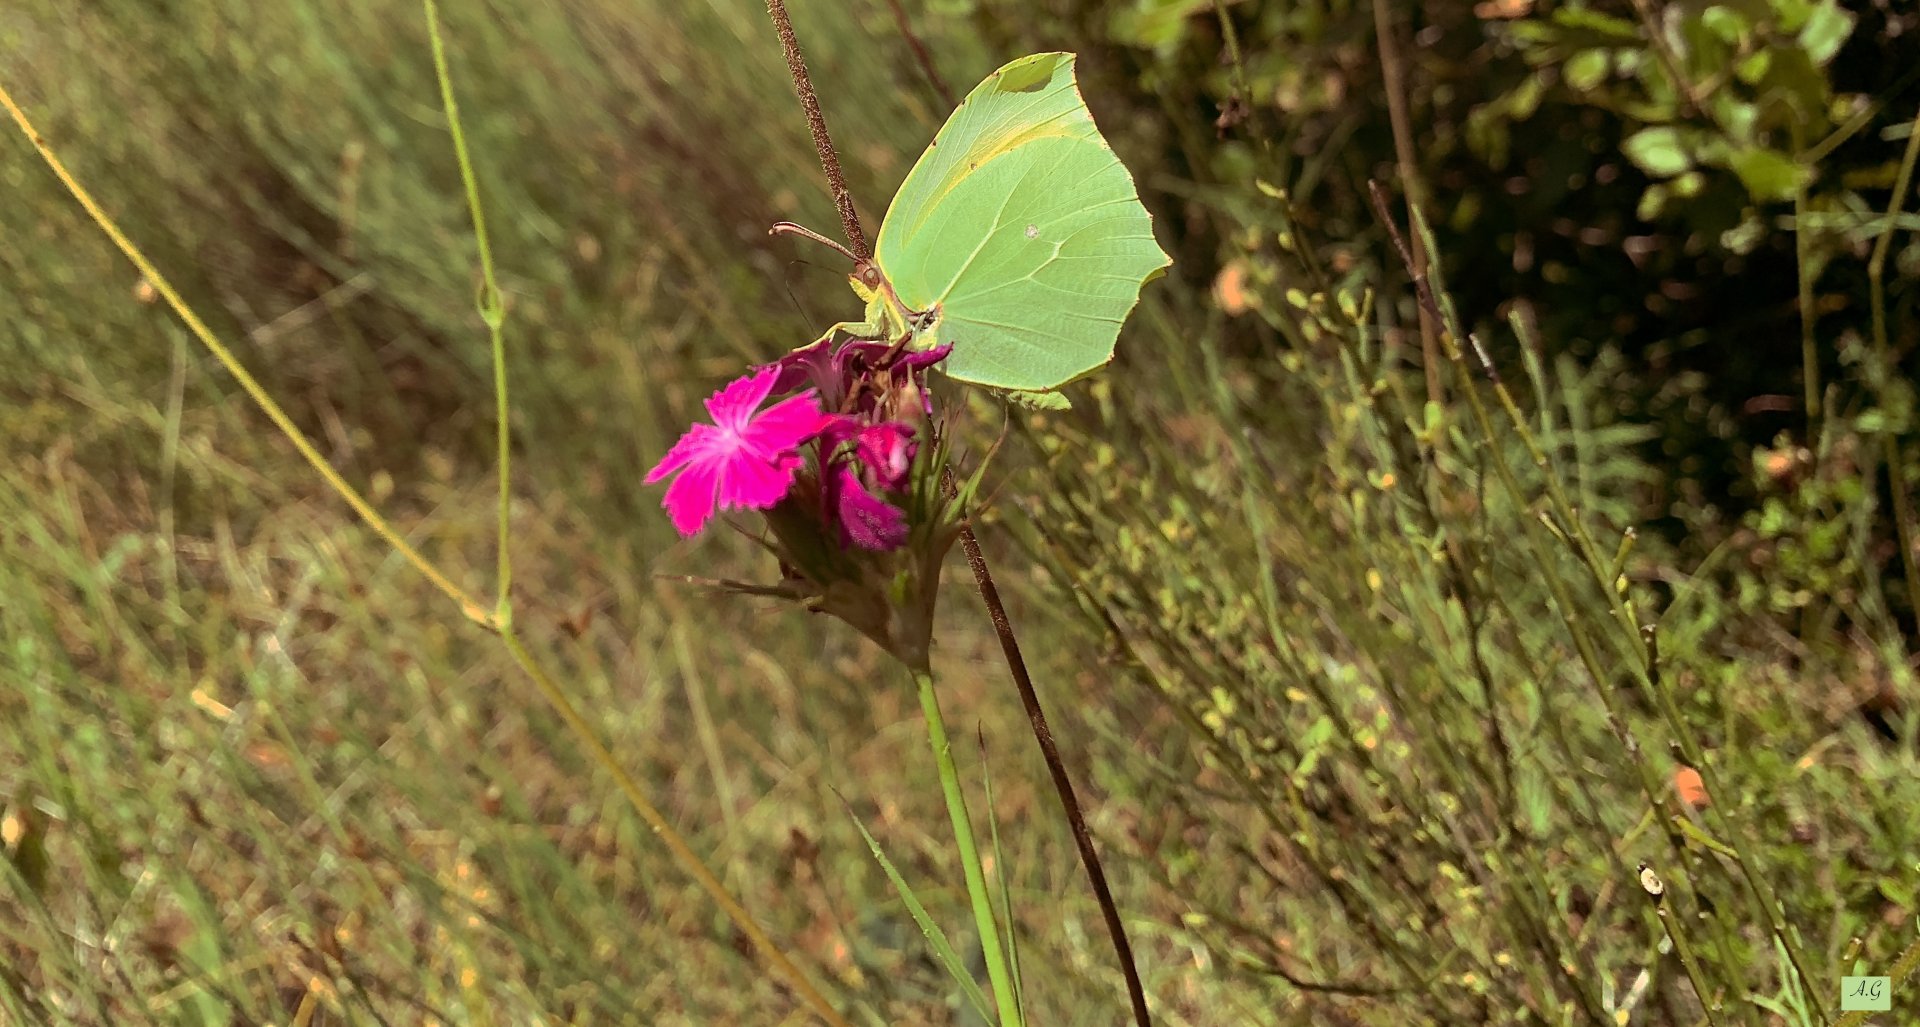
1803 268
1394 79
1062 784
817 124
982 576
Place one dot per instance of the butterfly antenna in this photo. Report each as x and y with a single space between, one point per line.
789 228
786 283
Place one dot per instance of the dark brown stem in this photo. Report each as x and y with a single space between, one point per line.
1422 288
996 610
1394 79
817 124
920 54
1062 784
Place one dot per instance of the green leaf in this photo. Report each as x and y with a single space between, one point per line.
1617 30
1768 174
1658 151
1652 203
1789 15
1536 802
1726 23
1587 69
1754 67
1019 235
1157 24
1826 30
1744 237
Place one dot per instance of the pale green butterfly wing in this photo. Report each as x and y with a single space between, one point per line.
1024 231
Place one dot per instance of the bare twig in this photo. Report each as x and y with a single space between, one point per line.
982 576
1394 79
976 559
1062 784
817 124
1422 288
1669 60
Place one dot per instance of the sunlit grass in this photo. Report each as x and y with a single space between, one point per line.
250 770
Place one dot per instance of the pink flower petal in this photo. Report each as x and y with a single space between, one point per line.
732 407
810 363
745 460
756 484
887 450
922 359
785 426
696 443
690 499
871 522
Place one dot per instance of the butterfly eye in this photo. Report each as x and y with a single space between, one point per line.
871 276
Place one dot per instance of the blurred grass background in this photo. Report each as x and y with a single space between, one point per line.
1366 742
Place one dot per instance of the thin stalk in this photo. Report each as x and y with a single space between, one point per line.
982 576
1657 892
469 606
1670 60
1393 79
1883 353
817 125
1809 347
1057 769
492 308
984 921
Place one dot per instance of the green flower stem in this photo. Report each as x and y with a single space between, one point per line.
999 973
493 310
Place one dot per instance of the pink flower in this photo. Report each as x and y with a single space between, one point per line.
839 373
867 520
744 459
887 450
878 461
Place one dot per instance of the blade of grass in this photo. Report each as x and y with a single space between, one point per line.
942 948
493 309
709 738
1000 863
469 606
968 850
255 391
